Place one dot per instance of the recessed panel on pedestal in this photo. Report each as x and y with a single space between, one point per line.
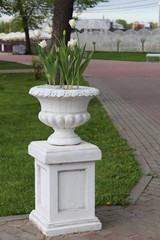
71 190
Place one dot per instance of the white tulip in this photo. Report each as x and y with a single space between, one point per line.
75 42
37 33
43 44
72 43
72 23
48 30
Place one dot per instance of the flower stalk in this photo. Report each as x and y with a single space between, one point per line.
65 59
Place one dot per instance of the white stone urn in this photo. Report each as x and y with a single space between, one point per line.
63 110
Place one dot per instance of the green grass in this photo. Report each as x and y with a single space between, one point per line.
5 65
121 56
115 174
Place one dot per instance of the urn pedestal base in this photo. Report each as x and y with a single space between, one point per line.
62 137
64 188
58 229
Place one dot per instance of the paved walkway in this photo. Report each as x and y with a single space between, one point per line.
130 94
25 59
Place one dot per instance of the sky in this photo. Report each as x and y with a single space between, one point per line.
130 10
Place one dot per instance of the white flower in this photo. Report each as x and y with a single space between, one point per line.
72 43
75 42
48 29
43 44
72 23
37 33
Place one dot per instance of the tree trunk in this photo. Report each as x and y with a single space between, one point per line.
28 43
25 26
62 14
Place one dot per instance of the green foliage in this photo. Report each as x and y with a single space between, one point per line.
65 59
4 27
30 13
49 60
81 5
153 25
12 26
4 65
35 11
38 68
124 23
16 25
116 174
120 56
70 63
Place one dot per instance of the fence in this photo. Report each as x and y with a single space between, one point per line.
129 41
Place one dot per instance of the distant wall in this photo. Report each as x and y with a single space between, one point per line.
129 41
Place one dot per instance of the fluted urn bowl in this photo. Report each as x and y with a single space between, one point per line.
63 110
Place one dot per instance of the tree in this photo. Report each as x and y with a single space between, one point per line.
153 25
63 11
30 12
80 5
125 24
62 14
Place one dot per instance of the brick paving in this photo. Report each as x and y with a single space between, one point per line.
25 59
130 95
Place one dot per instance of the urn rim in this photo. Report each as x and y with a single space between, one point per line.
55 91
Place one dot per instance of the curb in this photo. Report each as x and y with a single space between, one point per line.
143 182
14 218
138 189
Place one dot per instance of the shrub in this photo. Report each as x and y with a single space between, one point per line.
38 68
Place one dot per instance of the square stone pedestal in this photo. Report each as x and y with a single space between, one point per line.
64 188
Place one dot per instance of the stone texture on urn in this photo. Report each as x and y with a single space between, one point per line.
63 110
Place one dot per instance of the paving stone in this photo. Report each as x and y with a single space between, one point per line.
28 236
76 237
142 135
7 236
139 188
11 230
2 223
30 228
57 238
143 164
18 223
95 236
104 233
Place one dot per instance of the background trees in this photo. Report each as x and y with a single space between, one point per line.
14 25
125 24
29 12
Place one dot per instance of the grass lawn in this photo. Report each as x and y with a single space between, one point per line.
115 174
121 56
5 65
